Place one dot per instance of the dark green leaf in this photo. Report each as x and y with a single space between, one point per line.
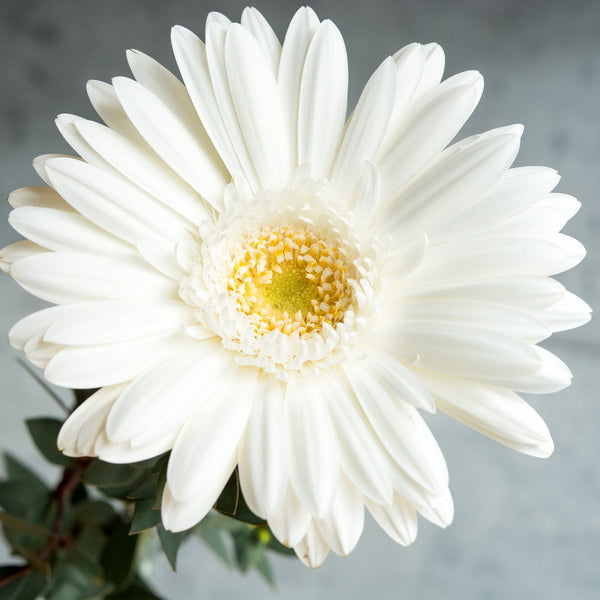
170 543
145 489
91 540
20 525
231 502
44 432
145 516
29 585
118 554
44 385
82 395
96 512
138 590
77 576
247 549
17 497
18 471
105 475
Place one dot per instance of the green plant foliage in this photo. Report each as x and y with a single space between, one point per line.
44 432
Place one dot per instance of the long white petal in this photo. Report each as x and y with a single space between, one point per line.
17 251
185 153
62 277
291 520
398 520
263 461
400 428
314 467
184 383
312 550
258 108
206 448
300 32
264 35
365 129
323 97
85 367
42 196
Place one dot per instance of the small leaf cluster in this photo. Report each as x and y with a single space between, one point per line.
90 536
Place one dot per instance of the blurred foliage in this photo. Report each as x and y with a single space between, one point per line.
87 538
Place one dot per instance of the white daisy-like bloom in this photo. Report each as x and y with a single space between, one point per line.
255 280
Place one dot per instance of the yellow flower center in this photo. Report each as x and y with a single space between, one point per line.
290 280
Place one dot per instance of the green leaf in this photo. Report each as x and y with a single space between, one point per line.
44 432
145 516
145 489
231 502
22 526
95 512
214 540
138 590
77 576
118 554
170 543
28 585
17 497
82 395
18 471
263 566
105 475
247 549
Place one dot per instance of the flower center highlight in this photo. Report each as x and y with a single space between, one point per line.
290 280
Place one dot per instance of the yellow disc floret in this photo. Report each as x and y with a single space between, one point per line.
289 279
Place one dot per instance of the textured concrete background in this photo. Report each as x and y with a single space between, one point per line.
524 528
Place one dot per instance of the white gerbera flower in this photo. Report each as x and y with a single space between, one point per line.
252 280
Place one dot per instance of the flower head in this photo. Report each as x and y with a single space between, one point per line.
254 280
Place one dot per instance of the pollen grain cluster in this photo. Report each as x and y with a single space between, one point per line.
290 279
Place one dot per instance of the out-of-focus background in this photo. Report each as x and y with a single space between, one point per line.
524 528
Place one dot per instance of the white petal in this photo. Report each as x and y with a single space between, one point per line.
489 316
216 32
42 196
300 32
514 192
290 521
190 54
179 516
165 396
258 26
62 277
122 453
531 292
399 381
407 258
400 428
314 468
460 349
105 102
187 154
35 324
117 321
40 162
437 508
365 129
399 520
62 230
80 431
16 252
489 410
462 173
86 367
363 460
312 550
569 312
258 108
552 376
323 97
365 202
99 197
263 462
342 527
144 169
433 68
206 449
427 128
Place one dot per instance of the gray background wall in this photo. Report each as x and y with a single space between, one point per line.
524 528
